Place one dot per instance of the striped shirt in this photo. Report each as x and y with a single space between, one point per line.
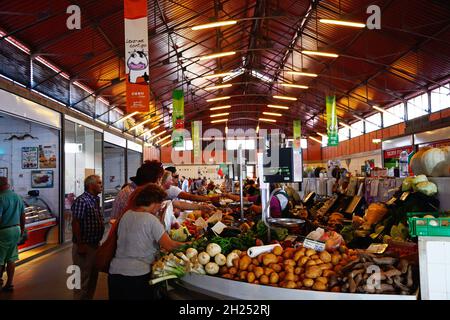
121 200
86 209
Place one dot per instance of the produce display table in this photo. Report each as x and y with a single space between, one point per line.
235 290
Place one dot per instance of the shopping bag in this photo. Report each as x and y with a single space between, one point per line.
107 250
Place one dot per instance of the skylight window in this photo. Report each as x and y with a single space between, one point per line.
261 76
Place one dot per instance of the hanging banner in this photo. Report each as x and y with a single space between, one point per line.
332 125
136 56
297 135
178 118
196 141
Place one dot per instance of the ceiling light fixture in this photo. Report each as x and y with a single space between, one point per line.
320 53
285 98
321 134
257 128
267 120
162 139
218 75
214 25
217 55
166 143
140 124
291 85
220 120
306 74
127 117
317 140
218 99
220 108
219 87
226 128
155 136
219 115
343 23
277 107
272 114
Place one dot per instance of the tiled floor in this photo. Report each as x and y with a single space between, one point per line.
44 278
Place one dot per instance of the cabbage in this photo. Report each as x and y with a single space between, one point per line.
427 188
407 184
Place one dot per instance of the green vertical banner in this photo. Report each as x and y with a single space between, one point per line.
332 125
178 118
196 141
297 135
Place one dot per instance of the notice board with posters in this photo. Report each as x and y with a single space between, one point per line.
391 156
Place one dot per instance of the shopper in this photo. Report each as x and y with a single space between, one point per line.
88 229
184 184
149 171
174 192
12 226
140 236
167 184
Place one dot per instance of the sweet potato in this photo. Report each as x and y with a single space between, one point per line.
264 279
270 258
310 252
290 285
276 267
250 277
299 284
297 270
308 282
318 261
243 275
336 289
319 286
244 262
227 276
223 270
325 256
289 262
251 268
260 258
268 271
335 258
274 278
324 280
282 274
313 272
259 271
255 262
298 255
303 260
288 253
289 269
328 273
278 250
289 277
310 263
232 271
236 263
314 257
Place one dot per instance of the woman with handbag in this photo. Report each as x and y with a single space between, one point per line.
140 234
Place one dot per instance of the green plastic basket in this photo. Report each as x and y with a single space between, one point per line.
428 227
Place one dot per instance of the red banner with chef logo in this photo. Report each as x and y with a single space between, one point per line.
136 56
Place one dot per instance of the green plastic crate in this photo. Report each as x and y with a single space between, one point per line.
428 227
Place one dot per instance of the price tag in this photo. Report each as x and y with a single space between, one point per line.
391 201
377 248
218 227
200 222
315 245
404 196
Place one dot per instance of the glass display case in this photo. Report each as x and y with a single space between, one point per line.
39 219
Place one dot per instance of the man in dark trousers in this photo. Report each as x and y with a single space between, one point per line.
12 226
88 229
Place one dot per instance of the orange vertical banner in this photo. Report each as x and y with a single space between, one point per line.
136 56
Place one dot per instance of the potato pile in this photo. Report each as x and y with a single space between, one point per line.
293 268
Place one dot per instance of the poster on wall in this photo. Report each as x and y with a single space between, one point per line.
136 56
178 118
29 157
297 135
47 157
42 179
332 124
196 142
4 172
391 156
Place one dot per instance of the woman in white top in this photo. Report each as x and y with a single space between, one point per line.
140 236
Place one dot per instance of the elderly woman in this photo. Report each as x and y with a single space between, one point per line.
140 237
